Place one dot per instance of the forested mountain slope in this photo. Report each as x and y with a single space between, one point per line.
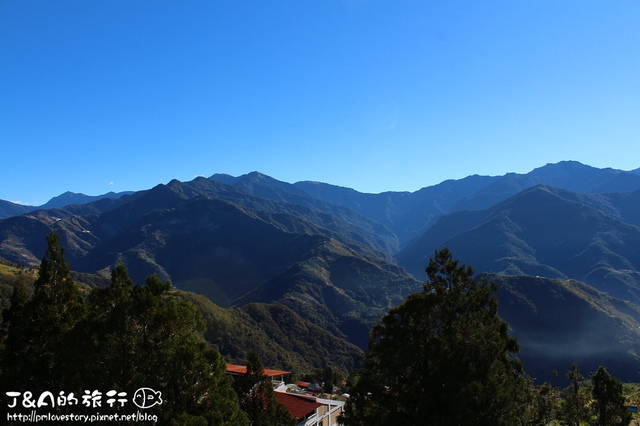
304 257
545 231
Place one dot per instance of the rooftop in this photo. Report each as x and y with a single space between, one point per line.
299 406
242 369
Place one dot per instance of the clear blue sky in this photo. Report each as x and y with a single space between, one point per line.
121 95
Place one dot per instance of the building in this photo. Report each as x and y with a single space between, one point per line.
308 410
311 411
277 376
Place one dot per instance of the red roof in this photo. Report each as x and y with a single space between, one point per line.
242 369
303 384
298 405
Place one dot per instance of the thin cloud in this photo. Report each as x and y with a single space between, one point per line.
25 203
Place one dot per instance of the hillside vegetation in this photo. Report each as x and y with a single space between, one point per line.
331 257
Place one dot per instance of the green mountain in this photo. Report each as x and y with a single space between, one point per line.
231 246
544 231
408 214
338 289
283 339
301 271
558 322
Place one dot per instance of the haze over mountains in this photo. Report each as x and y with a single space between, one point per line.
563 241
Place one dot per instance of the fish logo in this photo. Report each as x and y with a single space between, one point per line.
147 398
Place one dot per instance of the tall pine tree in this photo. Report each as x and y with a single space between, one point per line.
442 357
127 337
39 352
257 397
609 402
145 336
573 409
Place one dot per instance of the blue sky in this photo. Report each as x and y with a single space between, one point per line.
99 96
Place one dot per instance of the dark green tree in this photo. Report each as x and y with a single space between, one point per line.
15 314
573 410
609 401
110 336
39 354
544 404
144 336
442 357
127 337
19 299
13 318
257 397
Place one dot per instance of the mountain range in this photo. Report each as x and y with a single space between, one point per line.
312 259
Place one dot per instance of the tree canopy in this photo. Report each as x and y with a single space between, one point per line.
257 397
38 330
124 338
441 357
609 402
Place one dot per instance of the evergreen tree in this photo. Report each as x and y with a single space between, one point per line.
257 397
574 405
143 336
128 337
609 402
15 313
544 404
13 319
109 334
442 357
19 299
38 354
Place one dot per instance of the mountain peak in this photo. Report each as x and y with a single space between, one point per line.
256 176
224 178
232 180
69 198
562 167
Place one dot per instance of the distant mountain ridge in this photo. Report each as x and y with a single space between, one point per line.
408 214
561 321
545 231
399 209
222 242
9 209
338 259
69 198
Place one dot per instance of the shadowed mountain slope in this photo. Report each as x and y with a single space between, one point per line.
312 259
283 339
372 232
406 213
543 231
569 175
226 244
8 209
410 213
558 322
69 198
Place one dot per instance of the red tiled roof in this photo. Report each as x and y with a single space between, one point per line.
303 384
298 405
242 369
